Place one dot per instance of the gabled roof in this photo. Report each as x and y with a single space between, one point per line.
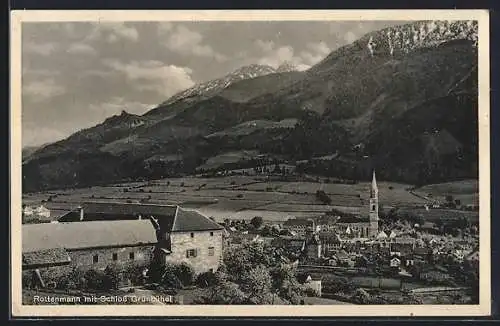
187 220
82 235
382 235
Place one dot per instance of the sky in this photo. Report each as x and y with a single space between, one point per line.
77 74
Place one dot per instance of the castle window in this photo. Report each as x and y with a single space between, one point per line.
211 251
95 259
115 256
373 207
191 253
192 235
211 234
131 256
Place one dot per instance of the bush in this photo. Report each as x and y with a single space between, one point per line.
94 279
185 273
134 272
206 279
310 292
170 279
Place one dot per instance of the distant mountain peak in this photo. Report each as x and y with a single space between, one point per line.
286 67
214 85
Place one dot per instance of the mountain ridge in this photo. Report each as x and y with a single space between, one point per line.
355 102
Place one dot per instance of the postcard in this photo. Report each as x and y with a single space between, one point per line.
250 163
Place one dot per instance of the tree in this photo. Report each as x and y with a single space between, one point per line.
257 222
257 283
285 283
224 293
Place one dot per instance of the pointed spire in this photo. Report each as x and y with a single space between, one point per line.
374 188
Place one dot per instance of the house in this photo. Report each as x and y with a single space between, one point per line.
330 242
296 244
300 226
310 283
53 249
395 262
382 235
28 210
42 211
187 236
180 235
343 259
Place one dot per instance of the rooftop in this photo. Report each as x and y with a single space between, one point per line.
172 218
82 235
128 209
188 220
47 256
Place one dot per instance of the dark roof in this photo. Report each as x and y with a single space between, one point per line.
56 256
114 208
172 218
353 219
187 220
298 221
83 235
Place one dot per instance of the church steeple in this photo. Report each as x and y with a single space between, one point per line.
373 211
374 188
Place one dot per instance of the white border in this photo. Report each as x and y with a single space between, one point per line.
482 16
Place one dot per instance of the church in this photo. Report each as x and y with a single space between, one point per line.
354 226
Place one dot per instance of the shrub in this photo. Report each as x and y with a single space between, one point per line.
206 279
185 273
94 279
170 279
310 292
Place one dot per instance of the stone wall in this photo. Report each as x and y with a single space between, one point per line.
84 258
201 242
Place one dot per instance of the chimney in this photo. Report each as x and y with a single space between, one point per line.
80 209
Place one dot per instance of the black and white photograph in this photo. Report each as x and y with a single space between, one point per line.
296 162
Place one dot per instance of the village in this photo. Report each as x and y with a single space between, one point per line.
137 249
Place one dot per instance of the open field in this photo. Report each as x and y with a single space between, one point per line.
466 191
243 197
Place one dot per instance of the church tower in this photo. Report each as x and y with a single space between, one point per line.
373 207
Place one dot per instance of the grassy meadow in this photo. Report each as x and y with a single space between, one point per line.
243 197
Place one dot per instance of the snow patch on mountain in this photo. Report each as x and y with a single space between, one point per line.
246 72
